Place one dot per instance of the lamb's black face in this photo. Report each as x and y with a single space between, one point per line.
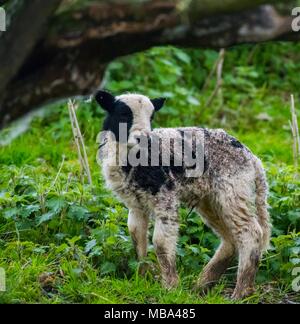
136 111
120 114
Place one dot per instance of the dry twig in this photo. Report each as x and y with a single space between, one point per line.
219 67
82 156
295 133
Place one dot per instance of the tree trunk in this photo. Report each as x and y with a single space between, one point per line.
71 57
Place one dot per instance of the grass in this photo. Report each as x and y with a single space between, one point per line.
67 242
72 279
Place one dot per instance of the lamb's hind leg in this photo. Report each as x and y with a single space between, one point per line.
238 211
249 242
216 266
164 241
225 253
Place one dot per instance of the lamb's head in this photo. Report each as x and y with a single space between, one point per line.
134 110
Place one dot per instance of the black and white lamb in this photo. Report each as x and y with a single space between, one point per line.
230 192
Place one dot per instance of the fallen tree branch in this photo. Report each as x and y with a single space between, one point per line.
72 57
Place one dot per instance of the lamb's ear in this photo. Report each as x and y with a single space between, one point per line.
158 103
105 99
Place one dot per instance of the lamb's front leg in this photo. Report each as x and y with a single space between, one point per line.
164 240
138 226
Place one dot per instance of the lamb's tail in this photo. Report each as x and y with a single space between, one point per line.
261 203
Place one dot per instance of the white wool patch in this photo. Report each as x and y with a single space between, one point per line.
142 109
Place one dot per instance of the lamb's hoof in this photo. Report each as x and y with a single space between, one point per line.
239 294
203 286
202 290
146 268
171 282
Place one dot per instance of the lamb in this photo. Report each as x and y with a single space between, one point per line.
230 193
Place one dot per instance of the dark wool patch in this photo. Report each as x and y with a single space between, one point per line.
177 170
181 133
206 164
235 143
126 168
121 113
206 133
152 179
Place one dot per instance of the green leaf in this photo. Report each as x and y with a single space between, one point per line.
40 250
108 267
78 213
10 213
183 57
116 65
45 218
295 260
111 240
56 204
26 211
193 101
194 249
73 240
77 271
294 216
62 247
296 250
89 246
180 252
